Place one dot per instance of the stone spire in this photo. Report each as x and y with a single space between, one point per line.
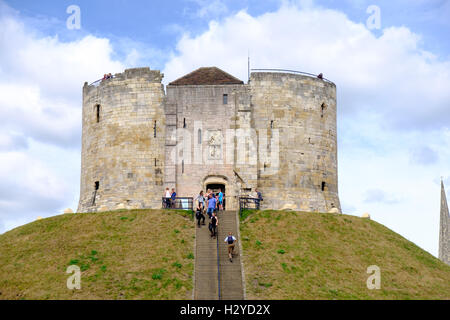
444 232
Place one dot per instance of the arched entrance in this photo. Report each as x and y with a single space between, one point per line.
216 183
216 187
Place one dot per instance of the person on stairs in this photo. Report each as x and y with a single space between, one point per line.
220 198
213 225
212 204
199 215
201 200
230 240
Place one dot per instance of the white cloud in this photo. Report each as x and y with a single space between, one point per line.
211 8
393 99
413 82
41 81
378 195
424 155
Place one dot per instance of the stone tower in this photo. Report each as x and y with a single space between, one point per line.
212 131
302 111
444 232
123 135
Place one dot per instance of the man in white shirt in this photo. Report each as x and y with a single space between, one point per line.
230 240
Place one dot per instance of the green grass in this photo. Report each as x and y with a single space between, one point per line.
297 255
138 254
148 254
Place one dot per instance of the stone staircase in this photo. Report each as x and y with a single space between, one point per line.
213 268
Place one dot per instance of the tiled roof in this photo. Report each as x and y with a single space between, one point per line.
206 76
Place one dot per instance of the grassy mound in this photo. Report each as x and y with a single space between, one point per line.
296 255
139 254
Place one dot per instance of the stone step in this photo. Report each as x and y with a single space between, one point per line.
206 276
230 272
206 285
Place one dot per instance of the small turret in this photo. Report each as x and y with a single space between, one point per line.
444 232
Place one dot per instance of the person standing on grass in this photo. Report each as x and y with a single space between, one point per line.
173 196
259 197
167 198
220 198
213 225
211 205
230 240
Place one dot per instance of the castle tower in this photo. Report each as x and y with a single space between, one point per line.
276 133
444 232
297 114
204 109
123 135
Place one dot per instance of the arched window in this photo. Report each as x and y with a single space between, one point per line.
199 136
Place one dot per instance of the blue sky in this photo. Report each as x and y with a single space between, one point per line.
158 24
393 89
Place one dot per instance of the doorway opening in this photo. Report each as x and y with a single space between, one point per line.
216 188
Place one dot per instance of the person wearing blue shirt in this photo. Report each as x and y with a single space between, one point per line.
212 204
173 196
220 200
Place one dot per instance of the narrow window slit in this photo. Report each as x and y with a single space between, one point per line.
97 110
323 107
225 98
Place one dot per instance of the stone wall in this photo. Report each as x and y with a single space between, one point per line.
200 144
277 133
302 111
123 147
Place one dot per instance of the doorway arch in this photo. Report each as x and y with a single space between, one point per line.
217 183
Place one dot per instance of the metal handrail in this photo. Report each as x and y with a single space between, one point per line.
97 82
245 201
294 72
183 203
219 289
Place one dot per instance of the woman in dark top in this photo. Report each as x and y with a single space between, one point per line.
213 225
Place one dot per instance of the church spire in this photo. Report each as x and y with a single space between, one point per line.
444 232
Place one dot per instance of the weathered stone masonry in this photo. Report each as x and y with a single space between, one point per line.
209 128
120 150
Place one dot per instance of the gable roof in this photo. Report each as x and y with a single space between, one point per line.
206 76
